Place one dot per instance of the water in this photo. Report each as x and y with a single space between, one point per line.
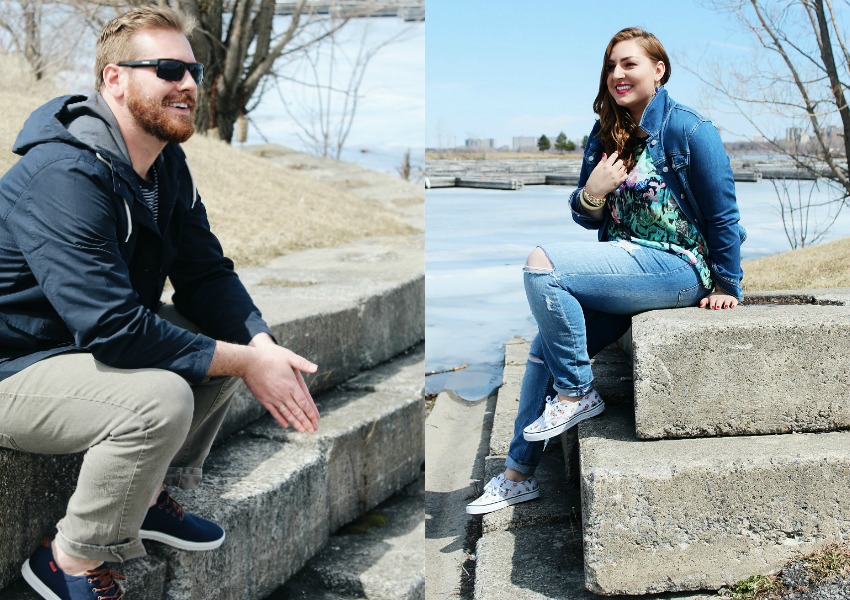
476 244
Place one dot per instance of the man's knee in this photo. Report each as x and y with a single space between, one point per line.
538 261
170 403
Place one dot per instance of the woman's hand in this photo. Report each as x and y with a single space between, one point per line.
718 299
606 177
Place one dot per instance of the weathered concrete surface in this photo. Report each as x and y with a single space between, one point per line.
516 355
373 441
533 550
379 557
753 370
456 437
279 494
703 513
540 563
368 295
34 491
368 306
819 296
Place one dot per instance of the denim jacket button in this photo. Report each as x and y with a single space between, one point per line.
653 142
590 158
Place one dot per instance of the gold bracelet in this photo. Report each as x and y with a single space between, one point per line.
589 201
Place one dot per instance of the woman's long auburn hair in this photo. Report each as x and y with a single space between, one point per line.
617 128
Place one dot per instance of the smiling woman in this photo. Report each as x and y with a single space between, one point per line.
656 185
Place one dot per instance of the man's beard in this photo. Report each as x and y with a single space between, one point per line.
153 117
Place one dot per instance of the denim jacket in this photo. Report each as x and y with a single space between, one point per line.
688 154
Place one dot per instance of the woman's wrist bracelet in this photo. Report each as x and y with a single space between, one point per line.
589 201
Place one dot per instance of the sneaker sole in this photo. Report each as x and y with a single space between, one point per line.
174 542
37 584
539 436
480 509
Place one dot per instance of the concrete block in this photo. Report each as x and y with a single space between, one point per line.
540 563
272 501
34 490
380 556
373 444
366 331
695 514
507 403
754 370
558 503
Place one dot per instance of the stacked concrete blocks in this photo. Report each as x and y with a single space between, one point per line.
278 494
684 511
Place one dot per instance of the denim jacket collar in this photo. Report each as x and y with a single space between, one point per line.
653 115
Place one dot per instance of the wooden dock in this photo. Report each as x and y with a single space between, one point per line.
502 173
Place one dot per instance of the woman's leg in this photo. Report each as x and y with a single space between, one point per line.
564 282
523 456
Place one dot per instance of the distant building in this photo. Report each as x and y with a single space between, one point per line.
480 144
524 143
794 134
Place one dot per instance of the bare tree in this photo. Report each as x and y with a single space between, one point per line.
241 48
800 74
46 33
324 107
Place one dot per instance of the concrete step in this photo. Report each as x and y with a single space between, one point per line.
364 305
543 562
280 494
533 550
751 371
377 557
695 514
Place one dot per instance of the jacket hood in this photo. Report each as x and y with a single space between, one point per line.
85 121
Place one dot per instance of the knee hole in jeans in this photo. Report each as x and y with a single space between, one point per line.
538 262
535 359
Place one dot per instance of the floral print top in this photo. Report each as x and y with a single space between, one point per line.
644 212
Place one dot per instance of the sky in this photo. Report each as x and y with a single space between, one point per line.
504 68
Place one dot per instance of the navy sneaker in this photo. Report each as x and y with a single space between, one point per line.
45 577
168 523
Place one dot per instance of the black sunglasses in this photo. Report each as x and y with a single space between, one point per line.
169 69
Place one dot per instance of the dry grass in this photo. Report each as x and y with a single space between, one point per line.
261 210
258 209
819 266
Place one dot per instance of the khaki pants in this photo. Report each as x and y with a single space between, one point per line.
138 427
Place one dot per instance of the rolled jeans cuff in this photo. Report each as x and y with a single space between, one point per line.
113 553
187 478
510 463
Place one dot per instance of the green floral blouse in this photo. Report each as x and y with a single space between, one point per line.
644 212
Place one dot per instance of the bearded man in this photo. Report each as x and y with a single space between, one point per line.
97 213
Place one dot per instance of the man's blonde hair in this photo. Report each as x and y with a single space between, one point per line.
115 43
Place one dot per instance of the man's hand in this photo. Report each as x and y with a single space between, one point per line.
273 374
718 299
274 377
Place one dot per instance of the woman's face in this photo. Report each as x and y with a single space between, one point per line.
632 77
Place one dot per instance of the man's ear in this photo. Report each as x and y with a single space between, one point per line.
113 81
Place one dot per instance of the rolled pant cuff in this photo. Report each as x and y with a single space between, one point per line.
577 392
113 553
186 478
510 463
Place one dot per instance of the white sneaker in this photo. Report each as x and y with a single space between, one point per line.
559 416
501 492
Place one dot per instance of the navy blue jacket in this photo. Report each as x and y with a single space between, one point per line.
688 153
83 262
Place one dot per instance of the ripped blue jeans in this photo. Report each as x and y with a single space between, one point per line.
581 305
